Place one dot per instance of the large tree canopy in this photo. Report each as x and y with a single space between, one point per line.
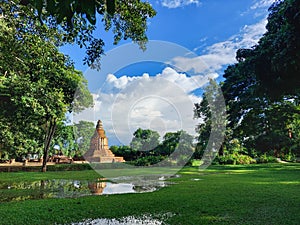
77 18
144 140
38 84
262 89
261 92
275 61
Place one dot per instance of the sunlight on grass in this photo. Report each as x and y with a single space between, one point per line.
260 194
138 171
289 182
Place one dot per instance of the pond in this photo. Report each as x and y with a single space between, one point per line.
62 188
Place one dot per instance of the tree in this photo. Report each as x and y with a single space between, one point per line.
65 138
38 84
144 141
262 89
83 133
213 121
275 61
124 151
77 19
256 120
178 146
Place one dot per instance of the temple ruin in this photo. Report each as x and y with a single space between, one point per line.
99 150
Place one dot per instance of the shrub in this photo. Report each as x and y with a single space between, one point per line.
147 161
235 159
244 159
267 159
69 167
290 157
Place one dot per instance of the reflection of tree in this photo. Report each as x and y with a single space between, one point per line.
141 189
56 188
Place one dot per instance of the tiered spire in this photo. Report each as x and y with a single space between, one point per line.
99 125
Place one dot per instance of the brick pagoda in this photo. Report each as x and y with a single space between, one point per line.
99 150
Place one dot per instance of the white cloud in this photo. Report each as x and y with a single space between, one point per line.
259 8
220 54
163 103
172 4
262 4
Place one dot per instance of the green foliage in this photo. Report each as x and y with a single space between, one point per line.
70 167
267 159
289 157
125 151
235 159
144 141
176 147
77 20
83 131
38 83
262 89
176 143
212 126
234 153
147 160
65 139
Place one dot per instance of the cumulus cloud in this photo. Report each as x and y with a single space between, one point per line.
172 4
220 54
163 103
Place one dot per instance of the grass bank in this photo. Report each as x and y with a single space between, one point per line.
253 194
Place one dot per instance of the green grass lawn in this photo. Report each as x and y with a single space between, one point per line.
254 194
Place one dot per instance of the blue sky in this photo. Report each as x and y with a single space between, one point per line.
190 41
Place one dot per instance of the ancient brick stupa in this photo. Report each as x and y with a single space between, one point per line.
99 151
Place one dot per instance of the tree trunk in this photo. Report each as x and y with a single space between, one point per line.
49 135
221 150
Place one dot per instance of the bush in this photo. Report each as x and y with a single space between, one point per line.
147 161
245 159
228 159
267 159
233 159
196 162
290 157
69 167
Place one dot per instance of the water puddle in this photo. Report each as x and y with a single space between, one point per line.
61 188
129 220
123 221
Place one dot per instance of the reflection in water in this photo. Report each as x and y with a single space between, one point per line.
148 219
60 188
97 187
130 220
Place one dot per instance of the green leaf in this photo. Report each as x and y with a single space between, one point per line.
110 7
51 6
38 4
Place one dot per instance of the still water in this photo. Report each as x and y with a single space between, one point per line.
130 220
62 188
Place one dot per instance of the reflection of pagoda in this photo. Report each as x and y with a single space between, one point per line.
97 187
99 151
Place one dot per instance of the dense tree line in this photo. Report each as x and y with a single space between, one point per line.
262 92
147 149
38 84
